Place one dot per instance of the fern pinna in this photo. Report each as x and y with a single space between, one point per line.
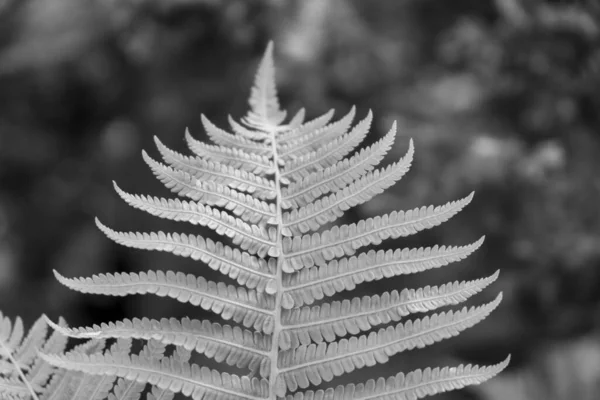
270 187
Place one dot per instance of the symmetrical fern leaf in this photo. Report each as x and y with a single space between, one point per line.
267 188
23 375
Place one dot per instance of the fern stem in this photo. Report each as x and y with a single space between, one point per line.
279 277
21 374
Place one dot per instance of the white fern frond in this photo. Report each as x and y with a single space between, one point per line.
252 238
218 173
239 159
313 364
13 389
270 185
413 385
39 371
244 132
299 167
169 373
24 375
245 206
316 249
130 389
297 132
160 394
311 284
297 120
306 143
265 112
329 208
336 177
247 269
226 139
65 385
179 355
223 343
13 343
328 321
251 308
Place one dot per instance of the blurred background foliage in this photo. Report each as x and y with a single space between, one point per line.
500 96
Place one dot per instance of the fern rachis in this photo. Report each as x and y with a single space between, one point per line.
267 189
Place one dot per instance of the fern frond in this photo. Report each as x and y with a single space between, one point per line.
298 130
24 375
65 385
247 269
218 173
231 345
270 185
22 348
13 388
168 373
311 284
179 355
226 139
336 177
127 389
414 385
314 364
265 112
297 120
244 132
306 143
327 209
243 205
39 372
251 308
298 167
253 238
236 158
308 250
329 321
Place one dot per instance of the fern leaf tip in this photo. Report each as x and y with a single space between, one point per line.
60 278
158 142
99 224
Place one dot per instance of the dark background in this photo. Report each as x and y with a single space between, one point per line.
500 97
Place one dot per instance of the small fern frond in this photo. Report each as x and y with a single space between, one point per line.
23 374
298 120
223 343
74 385
300 166
226 139
127 389
300 129
308 250
13 388
306 143
298 367
413 385
252 238
239 159
247 269
244 132
328 209
329 321
251 308
180 182
336 177
311 284
265 112
168 373
218 173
